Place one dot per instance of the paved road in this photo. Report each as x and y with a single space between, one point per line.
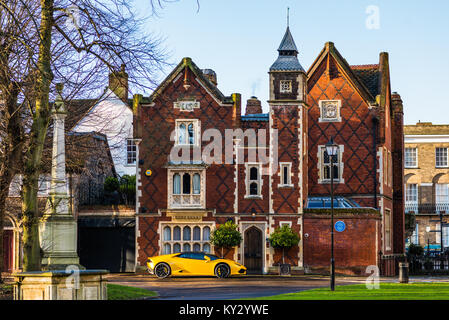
202 288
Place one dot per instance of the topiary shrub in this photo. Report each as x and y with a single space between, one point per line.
226 236
284 238
415 250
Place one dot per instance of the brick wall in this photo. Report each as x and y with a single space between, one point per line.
354 249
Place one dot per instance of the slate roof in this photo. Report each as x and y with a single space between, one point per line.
287 60
287 43
369 74
81 148
286 63
76 110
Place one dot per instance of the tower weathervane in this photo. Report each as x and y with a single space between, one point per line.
288 16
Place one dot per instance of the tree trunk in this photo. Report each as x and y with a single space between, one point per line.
283 254
12 151
41 117
222 252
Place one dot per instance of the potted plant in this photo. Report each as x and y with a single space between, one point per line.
226 236
284 238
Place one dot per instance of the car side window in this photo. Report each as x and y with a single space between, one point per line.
185 255
198 256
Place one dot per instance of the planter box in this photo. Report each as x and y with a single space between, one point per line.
285 269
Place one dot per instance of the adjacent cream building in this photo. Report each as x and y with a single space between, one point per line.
426 163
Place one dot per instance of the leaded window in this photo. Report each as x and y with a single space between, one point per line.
185 238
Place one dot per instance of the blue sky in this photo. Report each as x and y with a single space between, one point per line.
238 40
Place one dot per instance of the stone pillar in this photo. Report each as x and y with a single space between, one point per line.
58 228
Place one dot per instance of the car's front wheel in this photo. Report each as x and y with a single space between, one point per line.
162 270
222 270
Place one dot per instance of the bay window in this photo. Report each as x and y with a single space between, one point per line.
187 188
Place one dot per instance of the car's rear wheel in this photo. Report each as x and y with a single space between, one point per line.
222 270
162 270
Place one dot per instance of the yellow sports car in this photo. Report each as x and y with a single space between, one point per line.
193 264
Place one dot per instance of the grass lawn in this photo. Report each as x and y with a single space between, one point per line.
118 292
387 291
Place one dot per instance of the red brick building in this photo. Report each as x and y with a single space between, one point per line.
201 163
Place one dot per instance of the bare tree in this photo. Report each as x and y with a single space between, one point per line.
16 64
72 42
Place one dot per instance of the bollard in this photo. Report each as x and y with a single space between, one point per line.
403 272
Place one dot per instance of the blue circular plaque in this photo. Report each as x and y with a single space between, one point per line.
340 226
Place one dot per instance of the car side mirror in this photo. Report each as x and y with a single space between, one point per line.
207 259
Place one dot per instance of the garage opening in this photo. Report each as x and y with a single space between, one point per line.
107 243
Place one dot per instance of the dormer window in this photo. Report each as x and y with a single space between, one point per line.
286 86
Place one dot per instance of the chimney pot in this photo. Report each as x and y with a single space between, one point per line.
211 75
253 106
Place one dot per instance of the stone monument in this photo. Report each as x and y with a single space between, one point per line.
62 277
58 228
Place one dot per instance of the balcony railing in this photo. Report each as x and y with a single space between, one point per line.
428 208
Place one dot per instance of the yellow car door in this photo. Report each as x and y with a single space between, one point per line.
203 264
193 263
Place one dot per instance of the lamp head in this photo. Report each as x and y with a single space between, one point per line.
331 147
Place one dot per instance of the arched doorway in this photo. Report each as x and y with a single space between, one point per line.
253 250
8 245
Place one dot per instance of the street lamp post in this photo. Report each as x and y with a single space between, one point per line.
332 149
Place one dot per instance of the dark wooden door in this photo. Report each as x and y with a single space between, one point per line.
253 250
8 250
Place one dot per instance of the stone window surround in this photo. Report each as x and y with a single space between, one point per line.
337 118
181 242
191 170
321 180
282 183
282 223
248 166
196 131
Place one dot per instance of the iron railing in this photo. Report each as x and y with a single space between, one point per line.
427 264
428 208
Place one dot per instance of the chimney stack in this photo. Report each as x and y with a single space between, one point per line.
253 106
211 75
118 83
